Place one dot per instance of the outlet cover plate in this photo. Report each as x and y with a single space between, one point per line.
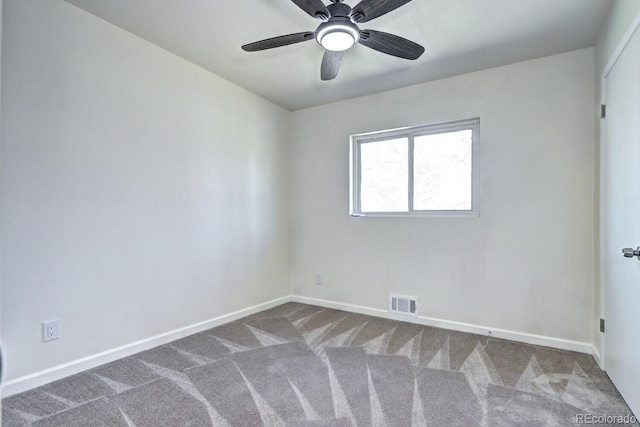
50 330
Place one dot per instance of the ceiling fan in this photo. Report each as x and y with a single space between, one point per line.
339 31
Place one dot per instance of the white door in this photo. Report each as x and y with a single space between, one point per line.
621 222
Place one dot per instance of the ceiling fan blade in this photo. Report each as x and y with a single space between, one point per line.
279 41
367 10
331 62
390 44
314 8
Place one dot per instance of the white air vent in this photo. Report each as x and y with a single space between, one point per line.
403 304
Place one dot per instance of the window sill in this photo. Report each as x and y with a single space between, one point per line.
431 214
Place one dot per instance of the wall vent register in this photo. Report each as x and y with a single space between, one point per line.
401 304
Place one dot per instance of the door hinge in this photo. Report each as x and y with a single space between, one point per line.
601 325
603 111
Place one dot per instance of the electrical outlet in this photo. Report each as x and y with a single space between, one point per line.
318 279
50 330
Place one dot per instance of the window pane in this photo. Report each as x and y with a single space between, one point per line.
442 171
384 176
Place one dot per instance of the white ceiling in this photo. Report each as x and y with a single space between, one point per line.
460 36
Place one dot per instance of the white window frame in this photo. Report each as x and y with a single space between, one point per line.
410 133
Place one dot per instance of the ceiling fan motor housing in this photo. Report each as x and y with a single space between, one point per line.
339 9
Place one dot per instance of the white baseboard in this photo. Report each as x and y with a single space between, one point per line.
37 379
562 344
596 355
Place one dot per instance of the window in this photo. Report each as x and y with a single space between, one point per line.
423 170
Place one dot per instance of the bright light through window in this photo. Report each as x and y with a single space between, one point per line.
442 171
384 176
424 170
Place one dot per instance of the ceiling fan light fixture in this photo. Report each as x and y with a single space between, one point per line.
337 41
337 37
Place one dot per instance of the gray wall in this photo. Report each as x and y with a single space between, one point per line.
513 267
140 193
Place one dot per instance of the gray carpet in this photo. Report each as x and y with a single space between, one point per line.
300 365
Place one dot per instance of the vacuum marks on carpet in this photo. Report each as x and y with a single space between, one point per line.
301 365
